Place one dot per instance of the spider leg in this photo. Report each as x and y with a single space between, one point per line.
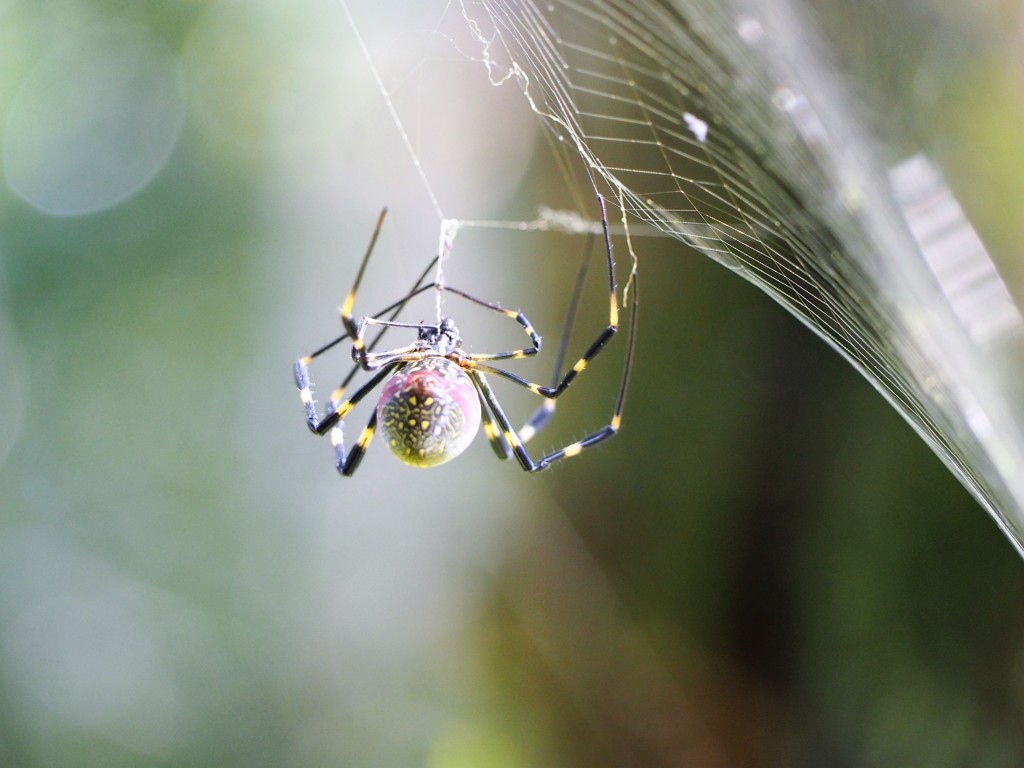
613 318
394 309
516 315
338 411
507 435
301 373
301 369
359 347
543 413
346 308
473 361
347 464
375 360
494 435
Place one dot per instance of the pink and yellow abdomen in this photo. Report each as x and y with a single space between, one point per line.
429 412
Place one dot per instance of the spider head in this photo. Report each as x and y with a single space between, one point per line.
443 337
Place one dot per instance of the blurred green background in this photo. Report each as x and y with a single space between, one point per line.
766 567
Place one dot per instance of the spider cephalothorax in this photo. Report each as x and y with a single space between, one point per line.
435 395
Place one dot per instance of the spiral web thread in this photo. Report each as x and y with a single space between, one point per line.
714 124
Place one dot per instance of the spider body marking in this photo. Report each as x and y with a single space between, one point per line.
429 412
435 395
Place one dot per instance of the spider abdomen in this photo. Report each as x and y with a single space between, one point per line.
429 412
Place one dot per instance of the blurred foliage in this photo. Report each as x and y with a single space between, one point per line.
765 568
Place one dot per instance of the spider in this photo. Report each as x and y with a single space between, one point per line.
435 395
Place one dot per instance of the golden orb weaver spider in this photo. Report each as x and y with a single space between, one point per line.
436 395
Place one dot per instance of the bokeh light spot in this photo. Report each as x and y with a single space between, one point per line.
94 121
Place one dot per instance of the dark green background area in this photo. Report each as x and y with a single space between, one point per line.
766 567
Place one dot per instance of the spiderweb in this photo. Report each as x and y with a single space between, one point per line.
713 123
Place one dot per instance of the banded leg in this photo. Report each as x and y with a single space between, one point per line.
543 413
350 299
394 309
494 433
359 347
346 464
541 416
301 369
516 315
592 351
340 411
508 435
613 318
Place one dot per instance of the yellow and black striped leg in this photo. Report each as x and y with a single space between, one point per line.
504 434
543 413
301 372
516 441
337 412
346 308
509 435
613 318
539 419
301 369
306 391
494 433
394 309
347 464
373 361
516 315
592 351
